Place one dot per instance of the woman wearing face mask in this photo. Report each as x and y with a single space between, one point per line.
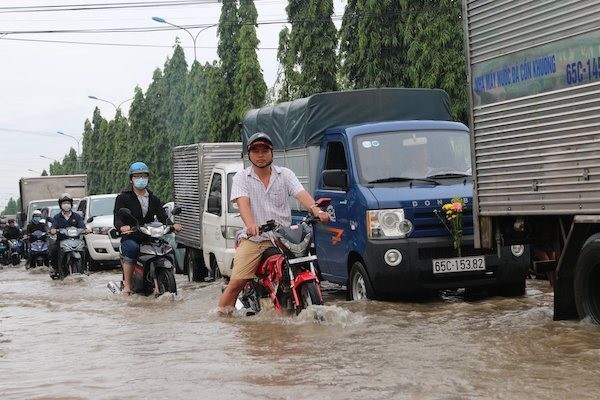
144 206
65 219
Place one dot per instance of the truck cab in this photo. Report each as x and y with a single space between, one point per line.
389 159
220 220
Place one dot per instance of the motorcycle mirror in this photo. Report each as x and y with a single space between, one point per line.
323 202
176 210
125 212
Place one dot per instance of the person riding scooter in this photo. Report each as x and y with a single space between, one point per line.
66 218
144 207
36 224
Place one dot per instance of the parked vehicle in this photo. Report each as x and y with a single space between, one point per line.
286 279
15 249
38 249
42 191
71 254
153 272
202 175
384 238
97 212
534 80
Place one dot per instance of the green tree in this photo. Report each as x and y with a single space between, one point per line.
194 117
311 47
249 85
433 38
285 83
11 207
372 46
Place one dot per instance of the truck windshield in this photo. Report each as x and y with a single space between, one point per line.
410 155
102 206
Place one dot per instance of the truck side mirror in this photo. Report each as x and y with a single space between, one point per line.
176 210
90 219
335 179
214 205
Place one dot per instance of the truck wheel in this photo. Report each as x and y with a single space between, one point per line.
215 267
359 287
587 277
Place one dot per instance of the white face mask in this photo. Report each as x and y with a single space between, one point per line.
65 207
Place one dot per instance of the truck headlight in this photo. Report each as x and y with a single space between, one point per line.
387 224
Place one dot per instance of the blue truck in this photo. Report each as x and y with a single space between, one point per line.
390 159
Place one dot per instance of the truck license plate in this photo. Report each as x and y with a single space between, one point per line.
458 264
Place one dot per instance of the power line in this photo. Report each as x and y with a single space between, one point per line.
101 6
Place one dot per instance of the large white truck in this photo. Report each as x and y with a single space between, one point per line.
534 83
202 176
43 191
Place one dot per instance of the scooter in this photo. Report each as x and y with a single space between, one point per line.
15 249
153 272
286 279
71 253
4 252
38 249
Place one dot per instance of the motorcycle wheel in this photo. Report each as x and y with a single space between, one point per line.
75 266
15 259
309 294
249 297
166 282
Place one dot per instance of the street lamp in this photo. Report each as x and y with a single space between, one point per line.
117 108
34 171
49 158
163 21
73 137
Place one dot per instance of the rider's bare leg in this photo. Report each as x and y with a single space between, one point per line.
127 277
229 296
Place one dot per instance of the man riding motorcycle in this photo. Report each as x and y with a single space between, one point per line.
261 192
144 206
66 218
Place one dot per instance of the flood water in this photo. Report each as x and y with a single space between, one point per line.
76 340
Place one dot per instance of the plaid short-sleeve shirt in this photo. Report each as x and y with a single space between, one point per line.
269 202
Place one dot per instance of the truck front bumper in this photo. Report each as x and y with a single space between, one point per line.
415 271
102 248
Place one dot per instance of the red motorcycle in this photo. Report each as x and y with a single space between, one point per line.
286 279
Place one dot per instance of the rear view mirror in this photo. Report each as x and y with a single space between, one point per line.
335 178
176 210
90 219
323 202
113 233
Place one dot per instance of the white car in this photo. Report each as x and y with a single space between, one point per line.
97 212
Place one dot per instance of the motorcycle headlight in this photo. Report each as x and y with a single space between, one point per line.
298 249
72 232
101 230
388 224
154 231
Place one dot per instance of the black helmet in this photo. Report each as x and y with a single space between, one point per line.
65 197
259 138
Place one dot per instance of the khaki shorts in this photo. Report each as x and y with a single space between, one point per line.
247 257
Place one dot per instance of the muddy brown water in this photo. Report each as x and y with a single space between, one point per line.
75 340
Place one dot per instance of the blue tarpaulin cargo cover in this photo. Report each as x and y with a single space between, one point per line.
302 122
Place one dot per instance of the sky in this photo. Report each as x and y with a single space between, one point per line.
47 75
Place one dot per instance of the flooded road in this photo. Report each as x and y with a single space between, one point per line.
76 340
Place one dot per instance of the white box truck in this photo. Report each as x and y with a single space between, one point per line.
534 83
43 191
202 175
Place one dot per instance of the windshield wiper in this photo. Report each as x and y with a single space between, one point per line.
449 175
403 179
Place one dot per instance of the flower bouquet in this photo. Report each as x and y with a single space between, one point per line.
451 217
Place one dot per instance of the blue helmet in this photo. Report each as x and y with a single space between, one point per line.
138 168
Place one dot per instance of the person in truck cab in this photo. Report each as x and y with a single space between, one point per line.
65 219
144 206
261 192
